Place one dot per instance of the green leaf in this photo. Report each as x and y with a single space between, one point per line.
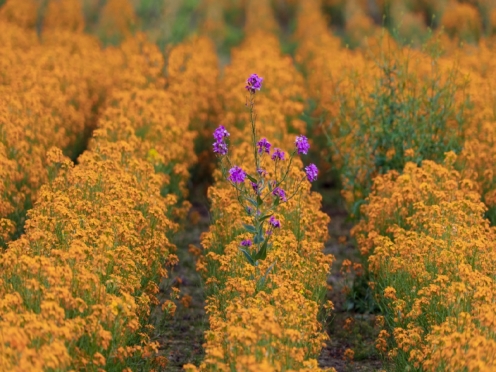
248 256
259 200
258 239
252 179
262 253
263 279
277 201
250 228
263 218
252 202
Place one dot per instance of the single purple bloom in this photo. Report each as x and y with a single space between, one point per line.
263 146
255 186
220 133
302 144
268 233
249 210
274 222
220 148
278 154
312 171
261 172
246 243
236 175
280 193
253 83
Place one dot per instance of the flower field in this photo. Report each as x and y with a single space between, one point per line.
247 185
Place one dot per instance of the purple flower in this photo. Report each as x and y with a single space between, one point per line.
253 83
220 133
280 193
274 222
261 172
236 174
220 148
278 154
302 144
263 146
246 243
312 172
255 186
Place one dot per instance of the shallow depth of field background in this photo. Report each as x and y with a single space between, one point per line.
119 237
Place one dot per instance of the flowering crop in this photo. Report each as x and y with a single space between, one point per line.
399 110
263 312
51 91
192 74
432 256
77 288
85 270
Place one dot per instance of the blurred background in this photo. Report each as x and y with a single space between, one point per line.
170 21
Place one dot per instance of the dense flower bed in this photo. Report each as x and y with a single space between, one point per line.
432 256
264 317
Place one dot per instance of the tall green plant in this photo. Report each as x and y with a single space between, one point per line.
395 113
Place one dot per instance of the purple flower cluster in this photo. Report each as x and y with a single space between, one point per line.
246 243
220 146
236 175
254 83
263 146
302 145
275 223
312 172
280 193
278 155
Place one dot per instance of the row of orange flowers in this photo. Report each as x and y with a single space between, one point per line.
423 229
77 288
432 256
264 317
51 90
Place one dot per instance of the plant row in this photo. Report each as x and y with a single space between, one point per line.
264 266
77 288
394 118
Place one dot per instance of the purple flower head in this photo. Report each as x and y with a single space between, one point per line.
255 186
278 155
261 172
263 146
280 193
253 83
312 172
249 210
246 243
236 174
274 222
302 145
220 133
220 148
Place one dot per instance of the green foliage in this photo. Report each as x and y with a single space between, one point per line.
397 108
182 25
150 10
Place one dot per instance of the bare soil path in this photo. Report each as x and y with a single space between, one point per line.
351 325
